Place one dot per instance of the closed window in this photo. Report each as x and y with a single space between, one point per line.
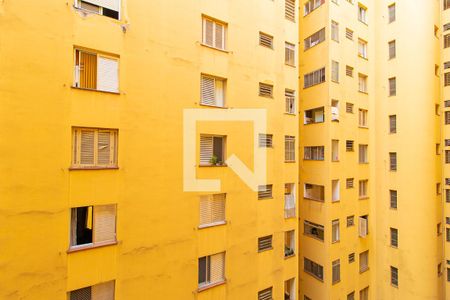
290 101
362 13
446 40
392 49
394 276
289 10
334 71
289 54
93 226
363 154
393 124
265 191
362 83
94 148
110 8
335 231
363 189
289 148
96 71
212 91
393 199
313 230
265 140
349 71
336 270
265 294
364 261
363 119
212 210
265 90
391 11
349 33
349 183
312 5
394 237
212 150
393 161
313 268
103 291
362 48
447 195
211 269
265 243
392 86
315 39
349 107
314 192
335 31
351 258
214 33
314 153
289 289
314 78
265 40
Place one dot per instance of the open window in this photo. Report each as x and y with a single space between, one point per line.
363 226
108 8
211 269
314 192
289 200
315 115
212 150
289 289
289 243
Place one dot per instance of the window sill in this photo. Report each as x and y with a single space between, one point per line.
317 200
212 225
335 160
92 168
289 65
289 256
335 242
360 56
266 198
73 249
314 237
363 127
289 161
211 47
213 106
313 123
213 166
290 114
211 285
363 271
316 277
94 90
364 198
362 92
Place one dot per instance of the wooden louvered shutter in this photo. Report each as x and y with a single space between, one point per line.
205 210
208 90
87 147
108 74
104 223
219 34
81 294
206 149
208 32
104 148
217 267
290 10
103 291
218 208
87 70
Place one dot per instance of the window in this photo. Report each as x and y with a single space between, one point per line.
314 78
315 39
362 48
335 31
447 156
289 289
364 294
436 31
289 148
393 161
349 71
349 34
214 33
95 71
314 153
336 271
289 54
289 200
446 79
265 140
364 261
314 192
335 193
212 210
446 40
447 66
212 150
94 148
265 243
394 276
439 229
211 269
349 146
363 187
212 91
394 237
290 101
362 83
351 296
362 13
391 10
392 49
447 195
447 117
349 107
99 291
265 191
350 221
438 189
265 40
363 226
335 232
351 258
393 124
335 150
448 274
289 243
265 90
313 230
349 183
313 268
289 10
335 110
447 142
93 226
363 154
334 71
446 26
265 294
447 234
313 116
392 86
106 8
363 122
312 5
393 199
439 269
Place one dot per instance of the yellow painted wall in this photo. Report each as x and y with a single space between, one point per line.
161 59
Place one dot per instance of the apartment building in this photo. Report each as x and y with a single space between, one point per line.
372 212
93 98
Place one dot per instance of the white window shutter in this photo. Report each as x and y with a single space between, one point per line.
110 4
104 223
103 291
208 32
219 36
107 74
362 227
104 148
218 208
208 93
205 210
206 149
217 267
87 147
219 92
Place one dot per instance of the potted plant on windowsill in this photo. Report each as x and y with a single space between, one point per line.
215 161
288 251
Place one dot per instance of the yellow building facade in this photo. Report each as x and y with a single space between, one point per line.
94 197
